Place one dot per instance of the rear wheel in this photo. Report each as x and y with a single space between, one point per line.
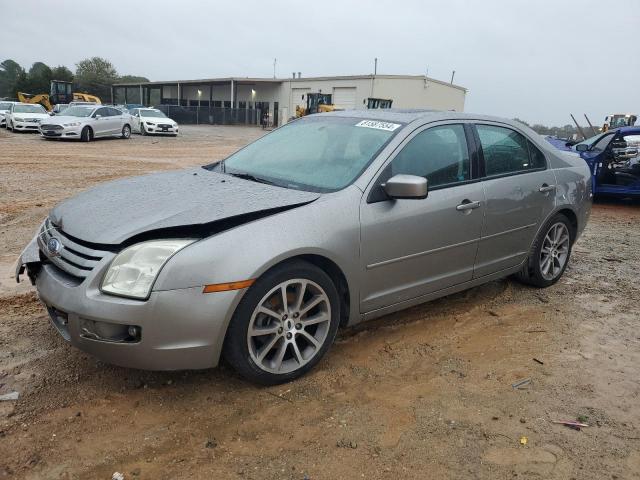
284 324
126 132
86 135
549 254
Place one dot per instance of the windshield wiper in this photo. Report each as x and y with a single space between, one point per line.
248 176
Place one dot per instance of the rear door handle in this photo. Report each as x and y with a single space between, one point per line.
467 205
546 188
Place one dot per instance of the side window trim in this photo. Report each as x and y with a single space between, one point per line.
376 193
483 166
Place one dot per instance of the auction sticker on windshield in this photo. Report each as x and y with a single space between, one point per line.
390 127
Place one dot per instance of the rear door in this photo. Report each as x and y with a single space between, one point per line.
410 248
520 194
116 120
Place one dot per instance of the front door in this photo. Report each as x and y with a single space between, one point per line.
520 194
414 247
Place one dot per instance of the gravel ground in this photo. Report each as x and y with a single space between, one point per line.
424 393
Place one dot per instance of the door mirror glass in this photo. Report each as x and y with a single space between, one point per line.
582 147
403 186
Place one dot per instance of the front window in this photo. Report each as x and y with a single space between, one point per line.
5 105
29 109
318 154
439 154
152 113
78 111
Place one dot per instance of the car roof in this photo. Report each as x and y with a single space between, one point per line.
410 115
629 130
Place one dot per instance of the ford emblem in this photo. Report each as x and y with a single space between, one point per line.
54 247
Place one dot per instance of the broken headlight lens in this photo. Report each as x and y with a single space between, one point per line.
133 271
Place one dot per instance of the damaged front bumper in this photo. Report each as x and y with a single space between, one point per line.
172 330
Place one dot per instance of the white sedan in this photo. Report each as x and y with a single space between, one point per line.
25 117
147 121
86 122
4 109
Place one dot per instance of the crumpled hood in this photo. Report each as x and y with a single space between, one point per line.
116 211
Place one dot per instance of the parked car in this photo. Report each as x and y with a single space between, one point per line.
149 121
24 117
58 108
330 220
87 122
4 109
614 160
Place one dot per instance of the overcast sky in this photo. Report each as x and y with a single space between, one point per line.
536 60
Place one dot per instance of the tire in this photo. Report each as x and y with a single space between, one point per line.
554 242
8 127
285 351
126 132
86 135
142 130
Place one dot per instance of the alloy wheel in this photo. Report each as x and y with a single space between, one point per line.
289 326
555 251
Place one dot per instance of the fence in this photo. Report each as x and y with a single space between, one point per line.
207 115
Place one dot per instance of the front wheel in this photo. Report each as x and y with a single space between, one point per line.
284 325
142 129
86 135
549 254
126 132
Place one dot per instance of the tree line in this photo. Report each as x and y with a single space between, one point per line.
93 75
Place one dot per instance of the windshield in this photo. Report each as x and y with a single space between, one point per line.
29 109
78 111
318 154
152 113
5 105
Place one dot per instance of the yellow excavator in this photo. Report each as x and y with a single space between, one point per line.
316 103
60 92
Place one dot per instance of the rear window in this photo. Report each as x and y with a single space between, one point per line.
507 151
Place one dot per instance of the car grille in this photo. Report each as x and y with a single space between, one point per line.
33 120
72 258
51 127
164 125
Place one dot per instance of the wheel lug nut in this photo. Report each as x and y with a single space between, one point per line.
289 335
285 316
296 315
280 330
298 326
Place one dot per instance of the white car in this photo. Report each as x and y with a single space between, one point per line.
4 109
86 122
148 121
25 117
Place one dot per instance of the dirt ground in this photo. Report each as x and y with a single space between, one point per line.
425 393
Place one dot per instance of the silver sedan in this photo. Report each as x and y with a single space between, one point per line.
328 221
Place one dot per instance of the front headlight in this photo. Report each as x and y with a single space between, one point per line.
73 124
150 124
19 119
133 271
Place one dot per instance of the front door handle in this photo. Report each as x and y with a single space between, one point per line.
546 188
467 205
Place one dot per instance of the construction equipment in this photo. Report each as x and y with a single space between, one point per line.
60 92
41 98
373 103
316 103
616 120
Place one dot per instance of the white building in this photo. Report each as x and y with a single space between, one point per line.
279 97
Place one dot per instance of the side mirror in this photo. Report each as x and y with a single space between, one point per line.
406 187
581 147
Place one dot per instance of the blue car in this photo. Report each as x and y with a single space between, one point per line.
614 160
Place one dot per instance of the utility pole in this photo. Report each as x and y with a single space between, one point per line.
453 74
274 67
375 66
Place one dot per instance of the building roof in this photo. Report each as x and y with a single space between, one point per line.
282 80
